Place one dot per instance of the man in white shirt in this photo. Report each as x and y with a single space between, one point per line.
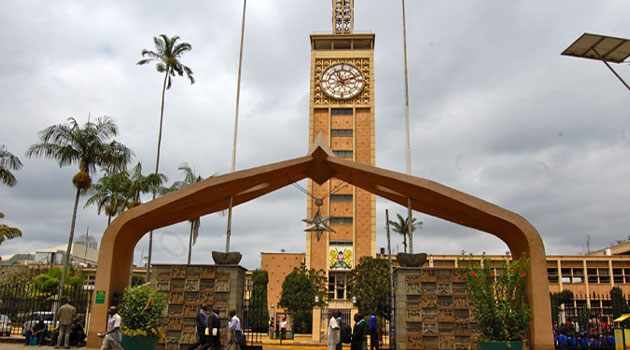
234 326
113 336
333 331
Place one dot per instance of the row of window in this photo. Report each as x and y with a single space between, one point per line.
594 275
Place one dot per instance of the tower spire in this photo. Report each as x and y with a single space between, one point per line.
343 16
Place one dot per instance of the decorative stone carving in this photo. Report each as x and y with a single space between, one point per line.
414 315
190 311
192 286
177 285
444 289
192 299
429 314
172 343
176 298
193 272
444 275
174 323
189 337
222 286
413 288
429 301
446 342
208 272
428 275
163 285
178 271
206 297
414 341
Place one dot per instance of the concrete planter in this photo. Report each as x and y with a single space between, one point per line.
138 342
411 260
500 345
231 258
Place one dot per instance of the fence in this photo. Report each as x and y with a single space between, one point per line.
22 303
571 322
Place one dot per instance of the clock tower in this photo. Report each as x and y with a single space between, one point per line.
342 109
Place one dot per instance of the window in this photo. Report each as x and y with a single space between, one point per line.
341 132
340 220
336 285
341 111
343 154
341 198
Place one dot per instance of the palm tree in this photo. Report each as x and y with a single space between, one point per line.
110 193
402 226
8 162
167 56
189 179
139 183
7 232
86 146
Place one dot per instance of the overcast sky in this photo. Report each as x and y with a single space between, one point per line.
495 112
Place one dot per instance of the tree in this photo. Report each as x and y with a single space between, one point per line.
619 302
401 226
88 147
48 282
369 283
140 183
167 56
8 232
258 314
299 290
557 299
8 162
110 193
189 179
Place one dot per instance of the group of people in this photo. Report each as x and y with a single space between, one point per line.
209 330
70 332
595 332
358 338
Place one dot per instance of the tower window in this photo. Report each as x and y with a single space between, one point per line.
341 198
341 132
336 285
341 111
343 154
341 220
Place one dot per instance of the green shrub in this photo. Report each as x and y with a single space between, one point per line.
142 310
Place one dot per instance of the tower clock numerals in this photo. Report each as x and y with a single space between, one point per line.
342 81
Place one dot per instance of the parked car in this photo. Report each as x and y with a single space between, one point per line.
48 317
6 327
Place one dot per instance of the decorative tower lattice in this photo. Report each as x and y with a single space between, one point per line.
343 16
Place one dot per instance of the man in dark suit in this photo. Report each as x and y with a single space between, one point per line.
214 331
202 320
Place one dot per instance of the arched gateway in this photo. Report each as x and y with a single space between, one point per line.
213 194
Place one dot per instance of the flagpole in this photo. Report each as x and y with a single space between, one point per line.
409 211
228 233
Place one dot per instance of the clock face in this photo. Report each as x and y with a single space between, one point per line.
342 81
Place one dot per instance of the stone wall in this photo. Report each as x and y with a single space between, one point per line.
188 287
432 310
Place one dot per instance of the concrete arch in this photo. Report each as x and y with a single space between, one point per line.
212 195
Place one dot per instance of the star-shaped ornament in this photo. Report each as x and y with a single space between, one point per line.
317 223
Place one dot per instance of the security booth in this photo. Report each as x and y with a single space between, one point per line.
622 336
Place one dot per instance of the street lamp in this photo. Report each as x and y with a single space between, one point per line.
602 48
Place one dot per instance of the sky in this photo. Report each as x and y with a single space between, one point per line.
495 111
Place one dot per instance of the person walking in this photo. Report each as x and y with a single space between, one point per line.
213 340
283 328
65 315
333 332
359 332
113 336
202 321
235 327
373 329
